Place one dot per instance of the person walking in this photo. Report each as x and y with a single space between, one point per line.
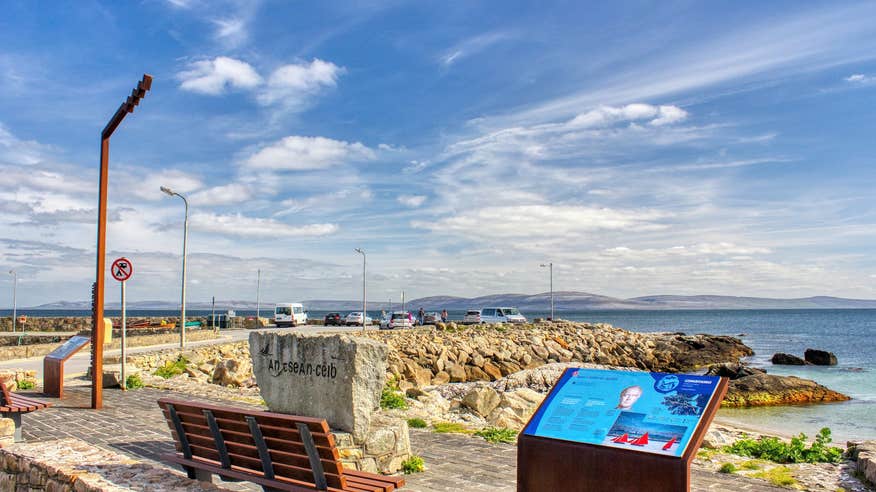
444 316
421 315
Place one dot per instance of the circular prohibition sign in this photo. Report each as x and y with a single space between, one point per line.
122 269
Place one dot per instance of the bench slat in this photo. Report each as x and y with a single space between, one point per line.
15 401
397 481
265 418
245 440
281 483
28 401
254 465
361 482
322 439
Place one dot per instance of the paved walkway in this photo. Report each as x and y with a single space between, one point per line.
132 423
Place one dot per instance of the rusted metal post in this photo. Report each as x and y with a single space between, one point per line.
97 335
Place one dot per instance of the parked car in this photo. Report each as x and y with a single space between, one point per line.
502 315
289 314
401 320
355 318
472 317
431 318
333 319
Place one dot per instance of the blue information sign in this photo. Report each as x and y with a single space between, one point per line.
651 412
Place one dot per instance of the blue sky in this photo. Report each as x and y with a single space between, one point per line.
642 147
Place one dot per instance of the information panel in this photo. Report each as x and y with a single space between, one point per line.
643 411
69 347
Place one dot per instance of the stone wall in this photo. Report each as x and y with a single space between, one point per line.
70 465
82 323
38 350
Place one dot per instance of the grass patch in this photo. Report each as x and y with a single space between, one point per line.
391 397
417 423
134 381
172 368
774 449
24 384
414 464
498 434
450 428
779 475
705 454
727 468
750 465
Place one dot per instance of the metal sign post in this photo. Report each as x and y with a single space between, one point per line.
121 270
97 295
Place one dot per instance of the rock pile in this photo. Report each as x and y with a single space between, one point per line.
425 357
767 389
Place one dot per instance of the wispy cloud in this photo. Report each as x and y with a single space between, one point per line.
411 200
471 47
240 225
860 79
293 85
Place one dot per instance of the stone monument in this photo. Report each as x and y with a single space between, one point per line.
335 377
339 378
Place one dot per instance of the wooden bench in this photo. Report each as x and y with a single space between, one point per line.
274 450
13 405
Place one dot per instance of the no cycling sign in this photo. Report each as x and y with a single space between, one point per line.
122 269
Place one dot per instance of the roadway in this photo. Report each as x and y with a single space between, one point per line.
81 361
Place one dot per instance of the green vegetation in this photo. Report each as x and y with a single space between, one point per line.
391 398
417 423
779 475
134 381
414 464
450 428
24 384
727 468
774 449
497 434
750 465
171 369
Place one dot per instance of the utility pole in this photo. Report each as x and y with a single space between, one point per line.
258 297
551 266
14 294
364 302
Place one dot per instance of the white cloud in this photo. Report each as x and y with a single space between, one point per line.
537 221
860 79
222 195
609 115
291 85
145 184
239 225
411 200
232 31
471 46
296 153
215 76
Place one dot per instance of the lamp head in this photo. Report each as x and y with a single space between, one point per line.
167 190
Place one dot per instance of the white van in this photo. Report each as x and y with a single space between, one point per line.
502 315
290 314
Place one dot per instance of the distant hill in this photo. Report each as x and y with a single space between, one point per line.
563 301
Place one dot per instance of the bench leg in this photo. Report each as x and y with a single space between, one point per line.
265 488
198 474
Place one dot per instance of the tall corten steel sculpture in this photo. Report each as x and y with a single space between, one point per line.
97 329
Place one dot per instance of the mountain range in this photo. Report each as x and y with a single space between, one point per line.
563 301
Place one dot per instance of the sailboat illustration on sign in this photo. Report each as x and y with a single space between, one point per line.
668 444
641 440
623 438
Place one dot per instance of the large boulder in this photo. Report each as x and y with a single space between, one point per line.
820 357
768 389
733 370
482 401
336 377
787 360
232 372
515 408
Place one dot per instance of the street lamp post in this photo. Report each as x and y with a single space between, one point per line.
551 267
258 297
14 292
364 302
182 316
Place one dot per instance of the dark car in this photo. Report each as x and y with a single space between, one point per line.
333 319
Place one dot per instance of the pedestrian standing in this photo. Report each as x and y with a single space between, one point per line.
444 316
421 315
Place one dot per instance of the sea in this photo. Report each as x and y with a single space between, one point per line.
848 333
